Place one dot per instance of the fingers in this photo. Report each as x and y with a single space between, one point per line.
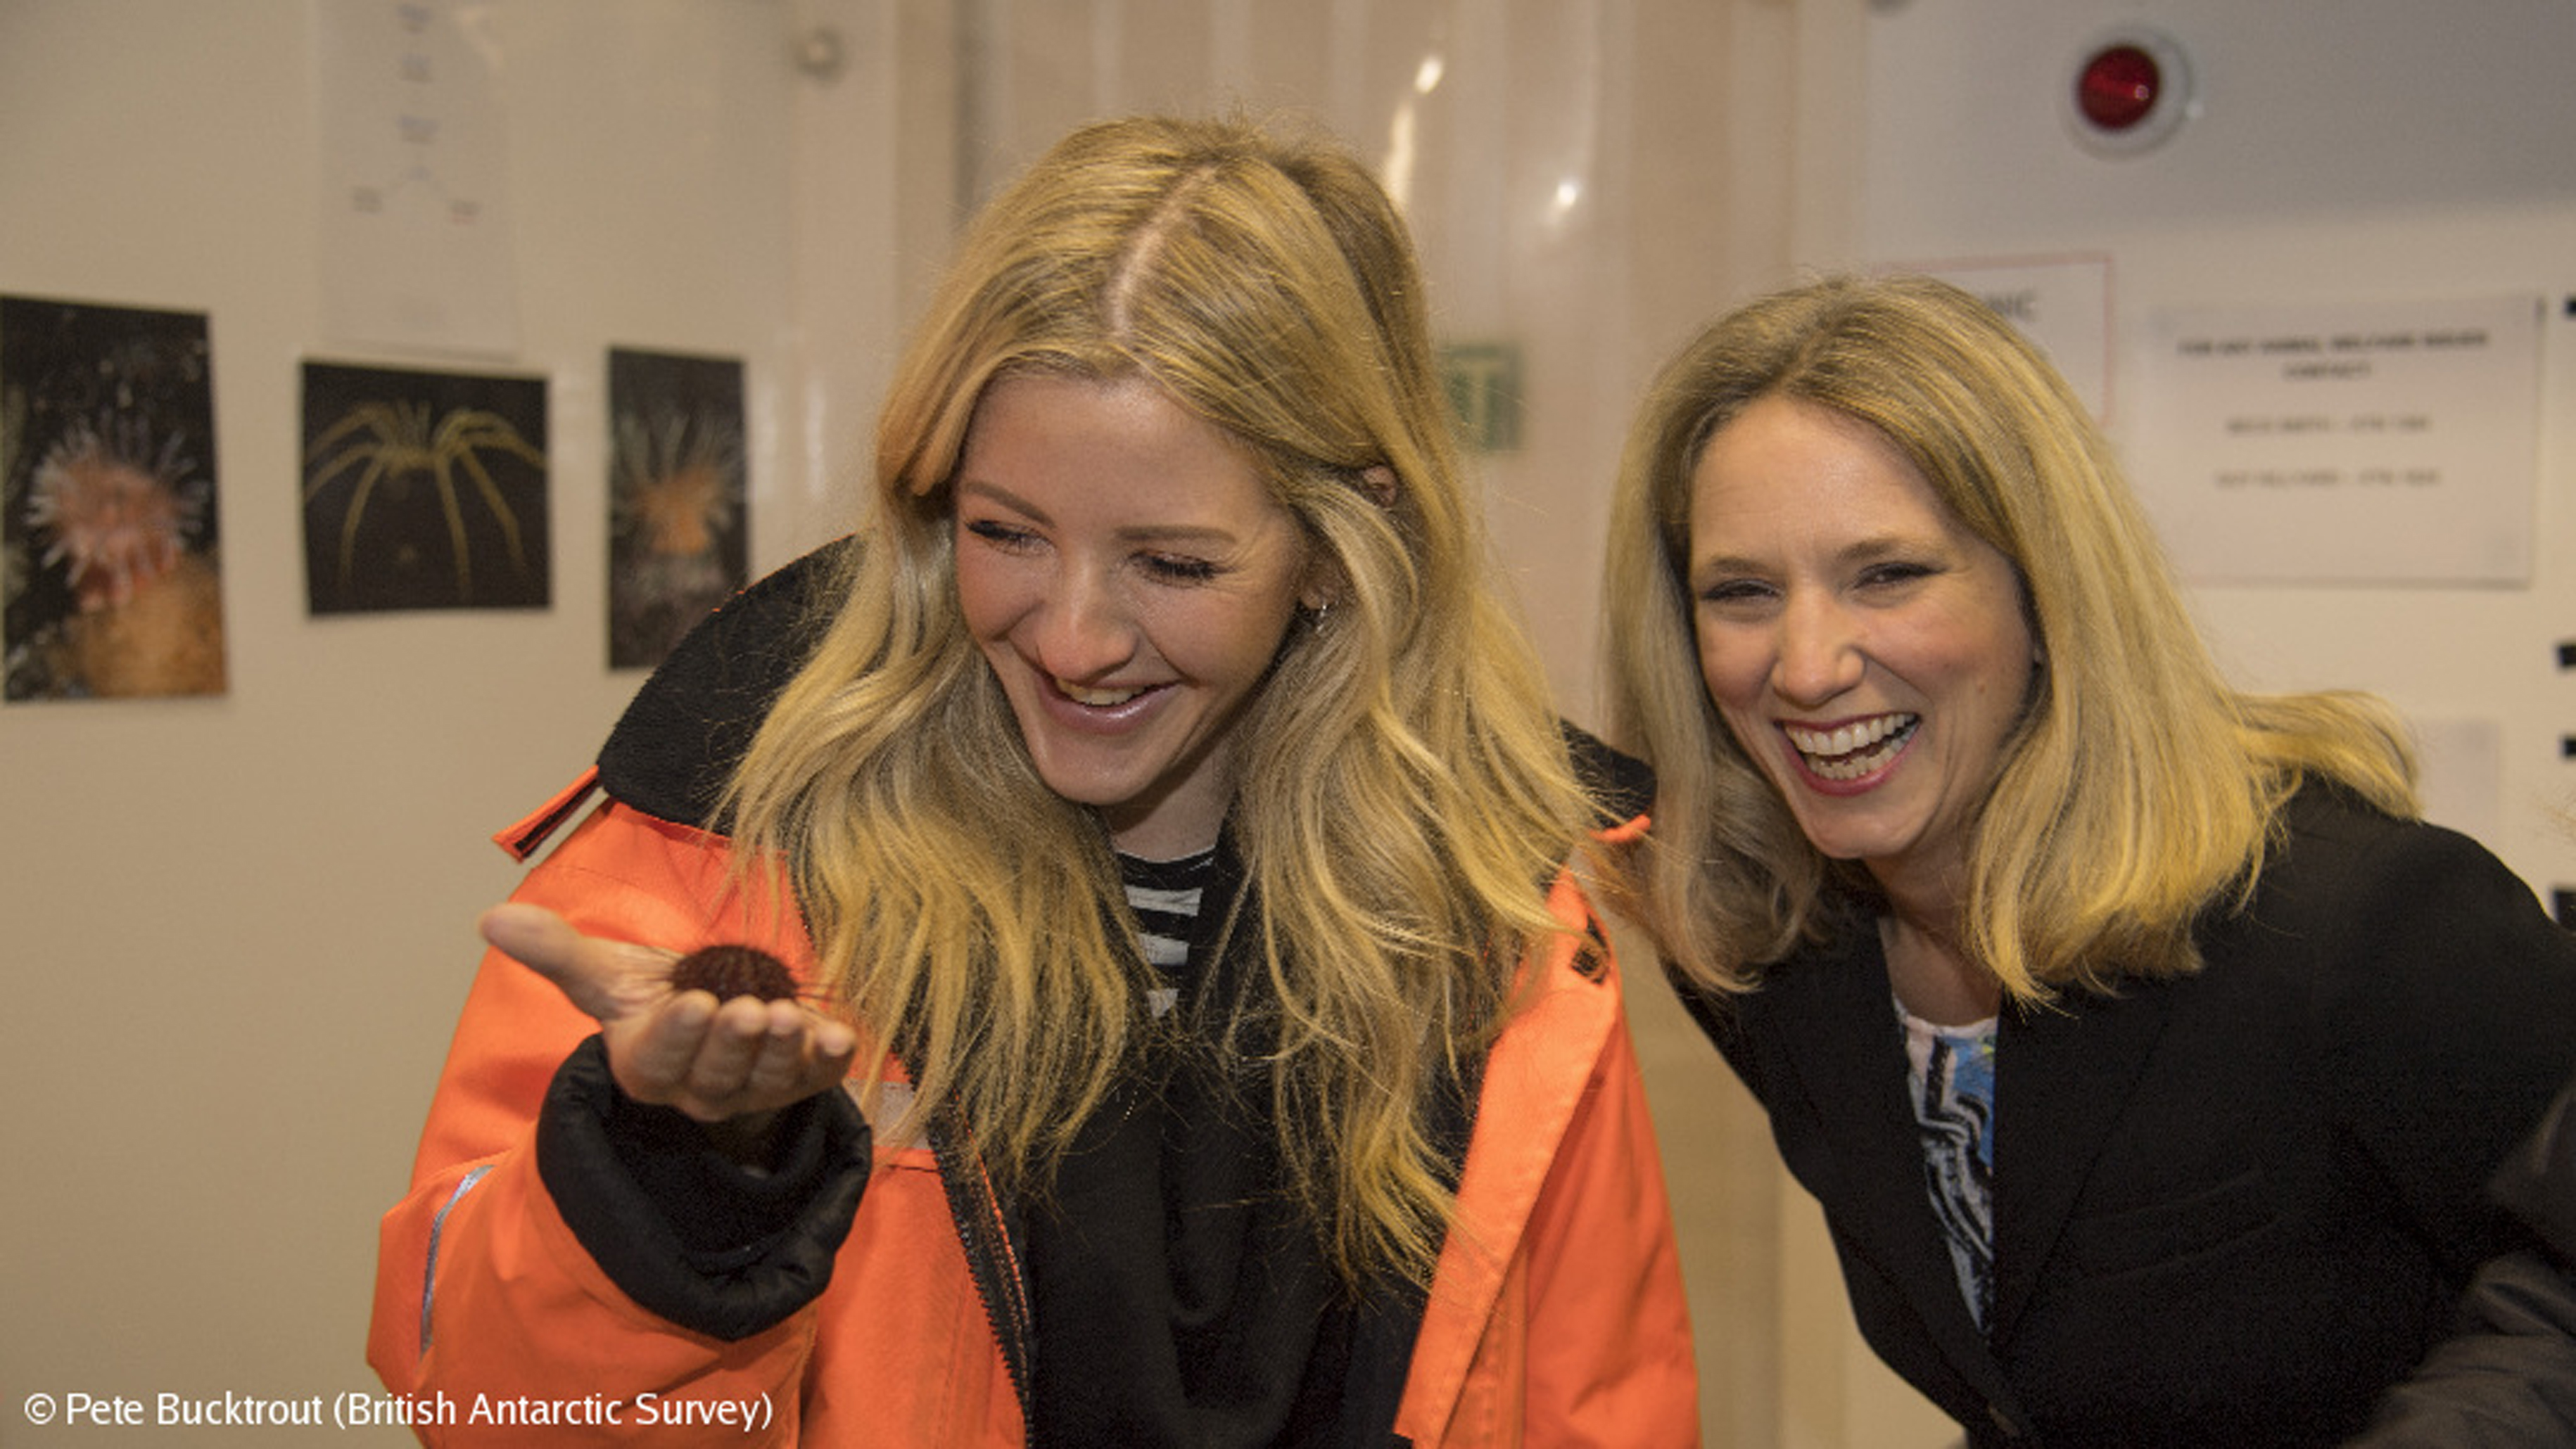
609 980
661 1060
744 1056
532 935
785 1053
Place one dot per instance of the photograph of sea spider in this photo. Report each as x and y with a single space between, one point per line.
424 490
678 524
110 577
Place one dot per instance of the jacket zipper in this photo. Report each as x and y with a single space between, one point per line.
990 1259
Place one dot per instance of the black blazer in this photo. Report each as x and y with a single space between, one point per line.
2230 1209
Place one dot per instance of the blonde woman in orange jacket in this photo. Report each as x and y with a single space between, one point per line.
1200 1042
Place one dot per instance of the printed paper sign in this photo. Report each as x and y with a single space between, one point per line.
2367 444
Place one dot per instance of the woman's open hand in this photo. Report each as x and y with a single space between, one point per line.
730 1065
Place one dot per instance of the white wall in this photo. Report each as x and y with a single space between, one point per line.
236 930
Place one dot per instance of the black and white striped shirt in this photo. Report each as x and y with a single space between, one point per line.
1166 896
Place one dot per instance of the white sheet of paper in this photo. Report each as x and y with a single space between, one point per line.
414 155
2061 303
2462 774
2380 443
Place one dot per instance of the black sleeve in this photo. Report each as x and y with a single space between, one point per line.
2455 999
681 1228
2508 1379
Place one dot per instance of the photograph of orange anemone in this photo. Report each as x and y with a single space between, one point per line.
111 582
679 517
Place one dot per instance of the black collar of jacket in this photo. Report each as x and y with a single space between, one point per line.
675 748
1622 787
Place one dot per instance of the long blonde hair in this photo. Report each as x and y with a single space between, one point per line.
2138 788
1402 792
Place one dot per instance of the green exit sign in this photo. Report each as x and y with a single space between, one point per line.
1483 380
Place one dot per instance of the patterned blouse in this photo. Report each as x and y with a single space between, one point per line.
1952 1071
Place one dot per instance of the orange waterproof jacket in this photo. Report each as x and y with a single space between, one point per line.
1555 1316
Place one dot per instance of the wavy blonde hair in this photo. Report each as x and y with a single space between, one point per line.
2138 788
1402 792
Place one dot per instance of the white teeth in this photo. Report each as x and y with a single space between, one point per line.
1853 750
1847 738
1097 698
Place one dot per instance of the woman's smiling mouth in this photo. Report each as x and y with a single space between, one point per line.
1852 751
1096 698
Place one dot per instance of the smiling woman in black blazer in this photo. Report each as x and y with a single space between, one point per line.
2147 1054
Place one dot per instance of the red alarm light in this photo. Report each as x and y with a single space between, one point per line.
2119 87
2131 89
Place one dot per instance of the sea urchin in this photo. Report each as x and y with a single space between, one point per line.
726 972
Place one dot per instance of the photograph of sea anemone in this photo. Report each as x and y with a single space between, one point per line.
678 506
111 582
424 490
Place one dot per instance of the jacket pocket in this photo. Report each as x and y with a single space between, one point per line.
2102 1245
